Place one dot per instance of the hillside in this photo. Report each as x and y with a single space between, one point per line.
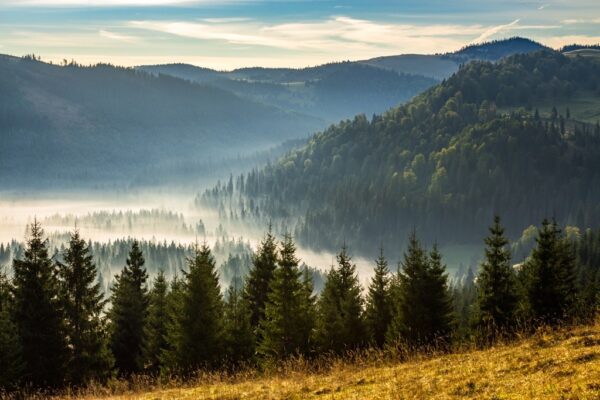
441 66
445 162
551 365
332 91
107 123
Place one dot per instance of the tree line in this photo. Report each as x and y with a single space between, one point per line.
57 328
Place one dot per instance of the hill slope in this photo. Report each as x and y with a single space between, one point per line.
441 66
103 122
445 162
332 91
551 365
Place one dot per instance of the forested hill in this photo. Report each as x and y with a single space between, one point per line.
331 91
447 161
72 124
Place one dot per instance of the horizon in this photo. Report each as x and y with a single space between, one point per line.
277 33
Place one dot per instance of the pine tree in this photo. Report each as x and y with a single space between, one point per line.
341 326
197 337
378 313
156 325
83 302
256 289
239 337
550 276
422 311
496 284
11 358
281 329
308 311
37 313
129 313
168 356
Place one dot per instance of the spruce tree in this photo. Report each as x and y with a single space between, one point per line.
550 276
341 326
129 313
281 329
197 337
378 313
256 289
422 307
11 358
156 325
83 303
239 337
168 357
38 315
496 284
308 311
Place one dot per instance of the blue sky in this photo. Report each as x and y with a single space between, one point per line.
228 34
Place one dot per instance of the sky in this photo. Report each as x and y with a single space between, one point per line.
228 34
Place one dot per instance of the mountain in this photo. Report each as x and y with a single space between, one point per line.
445 162
331 92
441 66
72 123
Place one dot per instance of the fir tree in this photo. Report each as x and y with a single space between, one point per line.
496 284
341 326
37 313
281 329
156 326
308 311
129 313
168 356
11 358
83 303
257 285
197 337
378 313
239 337
550 276
422 309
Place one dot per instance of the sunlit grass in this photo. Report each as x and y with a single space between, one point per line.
561 364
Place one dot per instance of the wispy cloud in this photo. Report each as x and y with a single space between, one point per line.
488 33
117 37
333 34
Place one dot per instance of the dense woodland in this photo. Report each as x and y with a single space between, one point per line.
58 328
444 163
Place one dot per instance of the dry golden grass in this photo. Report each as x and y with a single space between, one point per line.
563 364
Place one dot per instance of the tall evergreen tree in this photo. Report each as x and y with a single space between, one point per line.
239 336
83 303
11 358
197 337
496 284
129 313
281 329
378 313
256 289
341 326
550 276
156 326
308 301
423 308
37 313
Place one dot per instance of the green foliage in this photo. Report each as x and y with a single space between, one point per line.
378 312
156 325
496 284
281 331
128 314
37 313
257 284
549 276
197 336
83 303
341 324
423 312
10 346
239 336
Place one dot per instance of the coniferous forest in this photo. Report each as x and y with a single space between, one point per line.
59 329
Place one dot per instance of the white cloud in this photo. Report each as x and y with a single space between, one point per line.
117 37
488 33
335 34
